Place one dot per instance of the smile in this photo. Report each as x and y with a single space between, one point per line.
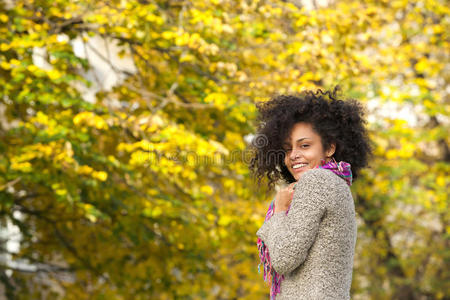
299 166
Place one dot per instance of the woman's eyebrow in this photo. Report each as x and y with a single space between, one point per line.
299 140
305 138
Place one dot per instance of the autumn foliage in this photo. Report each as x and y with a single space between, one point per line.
139 188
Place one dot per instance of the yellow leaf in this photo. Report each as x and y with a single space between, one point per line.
3 18
61 192
207 190
225 220
32 68
168 35
85 170
4 65
391 154
54 74
14 62
42 118
156 212
153 192
440 180
23 167
100 175
182 40
422 65
4 47
100 123
187 58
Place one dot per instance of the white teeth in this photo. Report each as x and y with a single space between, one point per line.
298 166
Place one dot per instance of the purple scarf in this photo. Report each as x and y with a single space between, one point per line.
343 170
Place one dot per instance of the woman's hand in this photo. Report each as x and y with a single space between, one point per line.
284 197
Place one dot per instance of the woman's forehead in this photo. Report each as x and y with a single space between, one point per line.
297 140
300 131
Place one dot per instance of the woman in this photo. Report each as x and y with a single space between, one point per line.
316 144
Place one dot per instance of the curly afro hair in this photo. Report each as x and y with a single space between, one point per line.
336 121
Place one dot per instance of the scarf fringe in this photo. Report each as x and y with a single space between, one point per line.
273 278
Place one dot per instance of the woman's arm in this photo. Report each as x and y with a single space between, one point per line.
289 237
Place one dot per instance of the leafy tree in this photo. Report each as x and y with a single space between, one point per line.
145 191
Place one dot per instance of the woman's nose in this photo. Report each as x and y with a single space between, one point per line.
295 153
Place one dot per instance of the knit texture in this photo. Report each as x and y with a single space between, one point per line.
312 245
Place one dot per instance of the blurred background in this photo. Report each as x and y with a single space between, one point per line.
125 128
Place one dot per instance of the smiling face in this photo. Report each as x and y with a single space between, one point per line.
304 150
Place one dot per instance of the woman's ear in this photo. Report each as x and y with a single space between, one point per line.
331 150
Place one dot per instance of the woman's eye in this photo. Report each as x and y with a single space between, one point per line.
305 146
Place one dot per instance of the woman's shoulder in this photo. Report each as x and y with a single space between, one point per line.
324 184
320 177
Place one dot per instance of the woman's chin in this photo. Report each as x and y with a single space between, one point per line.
297 176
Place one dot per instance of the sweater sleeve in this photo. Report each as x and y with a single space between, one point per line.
289 237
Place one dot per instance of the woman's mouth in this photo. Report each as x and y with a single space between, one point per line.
299 167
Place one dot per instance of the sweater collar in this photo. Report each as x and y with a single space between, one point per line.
342 169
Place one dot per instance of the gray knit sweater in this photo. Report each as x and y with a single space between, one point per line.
314 244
